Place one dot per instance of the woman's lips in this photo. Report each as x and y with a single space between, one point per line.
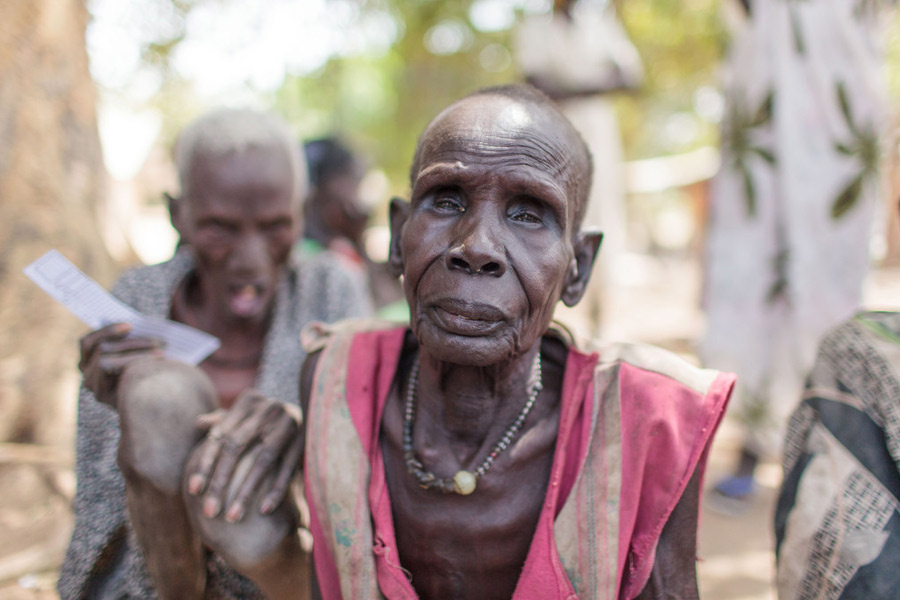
464 318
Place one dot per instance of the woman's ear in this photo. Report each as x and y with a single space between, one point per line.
587 245
399 213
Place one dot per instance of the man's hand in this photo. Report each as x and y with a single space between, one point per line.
256 428
106 352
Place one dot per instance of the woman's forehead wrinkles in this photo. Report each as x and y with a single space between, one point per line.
525 148
439 171
550 187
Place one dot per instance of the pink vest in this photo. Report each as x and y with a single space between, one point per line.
635 424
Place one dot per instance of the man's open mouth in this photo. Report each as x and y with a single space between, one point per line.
246 300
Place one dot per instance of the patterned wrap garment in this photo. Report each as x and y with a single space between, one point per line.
837 520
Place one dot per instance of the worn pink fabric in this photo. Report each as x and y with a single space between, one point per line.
664 430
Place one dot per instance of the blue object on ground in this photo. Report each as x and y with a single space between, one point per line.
736 487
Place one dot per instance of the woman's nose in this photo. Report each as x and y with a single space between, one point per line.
477 251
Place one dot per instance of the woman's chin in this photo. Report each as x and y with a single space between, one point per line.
465 350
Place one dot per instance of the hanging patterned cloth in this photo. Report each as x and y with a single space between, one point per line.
793 204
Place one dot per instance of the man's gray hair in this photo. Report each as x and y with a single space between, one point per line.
225 131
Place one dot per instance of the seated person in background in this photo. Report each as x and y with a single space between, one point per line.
479 453
837 520
239 213
335 219
334 216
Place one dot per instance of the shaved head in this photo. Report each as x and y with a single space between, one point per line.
563 144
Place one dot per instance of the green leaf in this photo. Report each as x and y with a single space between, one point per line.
749 191
764 113
763 153
779 287
847 199
844 149
869 151
845 107
799 44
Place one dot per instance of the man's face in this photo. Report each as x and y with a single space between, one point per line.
343 212
487 247
240 216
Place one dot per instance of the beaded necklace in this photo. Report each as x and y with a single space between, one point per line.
463 482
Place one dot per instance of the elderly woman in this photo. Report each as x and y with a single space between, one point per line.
478 453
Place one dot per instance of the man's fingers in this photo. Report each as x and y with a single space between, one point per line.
134 345
285 473
115 363
234 444
209 453
115 356
257 430
225 422
105 354
265 455
261 458
244 408
105 342
110 332
90 342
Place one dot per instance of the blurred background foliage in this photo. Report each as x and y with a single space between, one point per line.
401 61
383 101
682 43
892 58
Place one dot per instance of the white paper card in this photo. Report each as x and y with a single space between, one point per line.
91 303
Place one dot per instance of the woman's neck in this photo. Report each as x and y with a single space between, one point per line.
469 406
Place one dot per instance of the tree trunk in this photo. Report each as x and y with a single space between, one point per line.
51 180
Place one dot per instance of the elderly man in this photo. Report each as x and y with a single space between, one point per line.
242 181
479 453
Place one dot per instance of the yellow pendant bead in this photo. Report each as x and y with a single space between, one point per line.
464 483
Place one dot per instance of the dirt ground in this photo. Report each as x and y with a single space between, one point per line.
736 558
659 303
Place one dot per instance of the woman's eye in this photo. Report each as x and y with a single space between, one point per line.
526 216
451 203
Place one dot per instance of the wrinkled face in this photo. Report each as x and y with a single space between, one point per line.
487 247
240 216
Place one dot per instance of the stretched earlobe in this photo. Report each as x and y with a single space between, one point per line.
399 213
586 246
